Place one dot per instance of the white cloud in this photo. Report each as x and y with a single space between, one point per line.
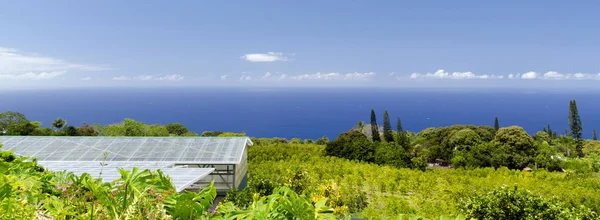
265 57
246 78
315 76
224 77
266 76
441 74
86 78
335 76
14 62
32 76
172 77
581 75
529 75
121 78
554 75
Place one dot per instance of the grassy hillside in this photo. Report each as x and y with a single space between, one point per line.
380 192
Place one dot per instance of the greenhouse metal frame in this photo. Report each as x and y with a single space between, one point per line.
192 162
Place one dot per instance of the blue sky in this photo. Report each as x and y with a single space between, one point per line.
546 44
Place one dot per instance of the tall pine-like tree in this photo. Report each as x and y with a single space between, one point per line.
388 134
403 139
594 137
496 124
576 127
374 127
399 125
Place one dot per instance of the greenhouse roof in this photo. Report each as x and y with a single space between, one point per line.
180 177
183 150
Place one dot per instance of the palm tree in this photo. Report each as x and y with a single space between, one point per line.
59 123
359 126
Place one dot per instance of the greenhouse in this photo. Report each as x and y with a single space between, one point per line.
191 162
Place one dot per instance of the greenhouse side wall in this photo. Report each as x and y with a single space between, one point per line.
223 178
241 171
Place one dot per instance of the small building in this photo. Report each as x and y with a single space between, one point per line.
191 162
527 169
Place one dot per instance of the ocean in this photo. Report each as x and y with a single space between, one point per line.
303 112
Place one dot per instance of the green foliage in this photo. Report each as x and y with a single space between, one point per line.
352 145
374 127
391 154
25 128
402 138
267 141
591 147
322 140
176 129
71 131
190 205
576 127
231 134
388 134
29 192
190 134
437 140
496 124
9 119
515 148
87 130
295 141
130 127
59 123
284 203
508 203
372 191
360 126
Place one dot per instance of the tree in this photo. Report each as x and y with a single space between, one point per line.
25 128
402 139
388 134
71 131
87 130
514 148
134 128
59 123
576 127
322 140
10 119
352 145
496 124
176 128
464 139
594 137
399 125
374 128
359 126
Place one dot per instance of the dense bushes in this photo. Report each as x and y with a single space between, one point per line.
506 203
29 192
373 191
463 145
352 145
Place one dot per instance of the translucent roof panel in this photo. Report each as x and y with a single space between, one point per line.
192 150
181 177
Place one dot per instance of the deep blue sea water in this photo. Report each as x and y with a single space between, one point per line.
304 113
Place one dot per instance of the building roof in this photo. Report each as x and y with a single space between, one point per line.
109 154
185 150
109 171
